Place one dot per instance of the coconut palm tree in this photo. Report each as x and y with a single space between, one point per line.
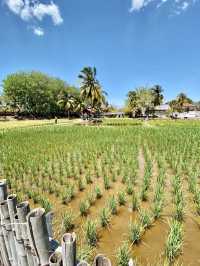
90 90
67 102
158 96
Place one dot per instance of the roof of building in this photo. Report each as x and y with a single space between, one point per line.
162 107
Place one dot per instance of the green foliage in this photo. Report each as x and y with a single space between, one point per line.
174 241
84 207
34 93
145 219
135 202
112 203
122 198
135 232
67 221
98 192
123 255
46 204
104 217
91 233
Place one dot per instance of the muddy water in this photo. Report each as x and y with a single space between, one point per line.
152 246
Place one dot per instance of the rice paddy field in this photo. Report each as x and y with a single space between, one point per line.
127 188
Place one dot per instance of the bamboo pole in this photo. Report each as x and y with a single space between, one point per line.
3 190
49 219
23 209
38 235
3 248
8 233
19 243
55 259
100 260
69 249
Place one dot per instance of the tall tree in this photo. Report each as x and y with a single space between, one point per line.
90 89
141 100
35 93
181 100
158 95
67 102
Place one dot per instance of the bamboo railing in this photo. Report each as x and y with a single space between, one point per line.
26 237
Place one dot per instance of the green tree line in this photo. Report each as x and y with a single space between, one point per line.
37 94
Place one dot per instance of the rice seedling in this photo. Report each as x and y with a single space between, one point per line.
91 236
85 253
129 189
144 195
91 198
157 209
68 194
104 217
46 204
135 203
135 232
81 185
122 198
112 204
106 180
123 255
98 192
88 179
84 208
145 219
174 241
67 221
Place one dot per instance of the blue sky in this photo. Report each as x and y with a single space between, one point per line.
131 42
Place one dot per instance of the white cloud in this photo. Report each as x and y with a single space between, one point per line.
40 10
185 5
15 5
34 9
137 5
177 6
38 31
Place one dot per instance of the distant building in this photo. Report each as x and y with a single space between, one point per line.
114 114
161 110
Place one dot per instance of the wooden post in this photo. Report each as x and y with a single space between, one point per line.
100 260
38 235
69 249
